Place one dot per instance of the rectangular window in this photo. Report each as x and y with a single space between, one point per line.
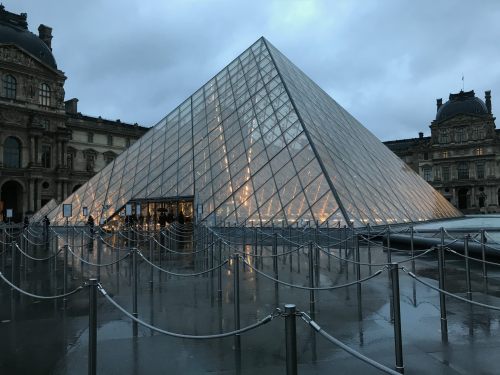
445 154
44 95
463 171
69 160
9 86
110 140
90 162
443 136
479 151
475 133
426 156
90 137
127 142
460 135
427 173
480 170
44 123
446 174
46 151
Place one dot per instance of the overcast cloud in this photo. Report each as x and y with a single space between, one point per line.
385 61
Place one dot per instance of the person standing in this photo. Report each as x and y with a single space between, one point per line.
46 224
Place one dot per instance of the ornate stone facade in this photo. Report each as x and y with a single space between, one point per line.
461 158
47 148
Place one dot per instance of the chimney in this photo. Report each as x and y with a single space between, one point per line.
439 103
71 106
420 135
487 96
45 34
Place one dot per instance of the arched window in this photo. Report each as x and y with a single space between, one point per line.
44 95
12 153
9 86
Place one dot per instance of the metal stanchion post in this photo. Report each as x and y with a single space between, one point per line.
219 271
346 242
92 360
316 262
236 290
398 342
368 246
412 250
134 292
442 297
13 261
275 254
389 255
244 242
467 267
99 256
358 275
65 275
483 254
212 248
151 271
328 246
291 339
312 301
340 232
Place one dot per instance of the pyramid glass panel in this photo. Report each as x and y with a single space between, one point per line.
258 144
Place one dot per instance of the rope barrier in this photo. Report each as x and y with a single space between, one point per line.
37 296
471 258
37 259
163 247
181 274
333 287
98 264
32 242
306 318
250 327
486 246
412 275
376 264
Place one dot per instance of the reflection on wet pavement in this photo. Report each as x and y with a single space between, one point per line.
51 336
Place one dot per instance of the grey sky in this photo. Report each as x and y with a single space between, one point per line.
385 61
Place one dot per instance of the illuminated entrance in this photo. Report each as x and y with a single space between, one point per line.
157 212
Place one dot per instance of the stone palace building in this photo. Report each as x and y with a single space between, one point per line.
47 148
461 158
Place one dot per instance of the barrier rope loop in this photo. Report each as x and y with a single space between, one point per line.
250 327
36 295
306 318
412 275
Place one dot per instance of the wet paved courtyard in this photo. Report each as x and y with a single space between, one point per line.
51 336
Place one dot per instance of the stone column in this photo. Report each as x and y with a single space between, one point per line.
58 154
1 150
31 195
38 204
36 149
65 189
64 153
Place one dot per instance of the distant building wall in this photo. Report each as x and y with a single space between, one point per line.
461 158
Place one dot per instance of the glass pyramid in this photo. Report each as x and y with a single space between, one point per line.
261 143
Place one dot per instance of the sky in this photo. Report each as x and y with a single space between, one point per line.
385 61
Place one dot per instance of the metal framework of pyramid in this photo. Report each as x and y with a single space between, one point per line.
261 143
